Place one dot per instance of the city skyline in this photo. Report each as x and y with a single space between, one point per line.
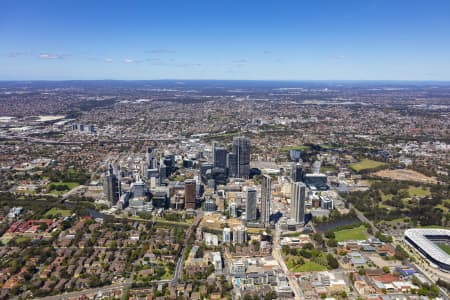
324 40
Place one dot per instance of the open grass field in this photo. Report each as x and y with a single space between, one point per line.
70 185
382 205
58 212
327 169
358 233
386 197
418 191
299 147
445 247
308 266
22 239
366 164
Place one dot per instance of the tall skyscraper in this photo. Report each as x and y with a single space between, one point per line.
162 173
298 199
233 209
220 157
151 161
240 235
232 165
241 147
250 204
190 194
266 198
149 155
215 145
226 236
111 186
297 172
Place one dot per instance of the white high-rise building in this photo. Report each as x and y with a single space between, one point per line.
233 209
298 198
226 238
266 198
250 204
240 235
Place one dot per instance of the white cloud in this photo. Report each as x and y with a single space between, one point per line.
108 60
129 61
50 56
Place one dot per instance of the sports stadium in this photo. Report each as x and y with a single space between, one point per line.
426 240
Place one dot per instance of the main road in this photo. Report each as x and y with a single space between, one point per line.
276 253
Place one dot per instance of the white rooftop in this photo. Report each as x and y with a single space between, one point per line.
419 236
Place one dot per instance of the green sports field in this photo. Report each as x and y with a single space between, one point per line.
358 233
366 164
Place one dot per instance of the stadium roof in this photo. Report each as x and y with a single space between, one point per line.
420 237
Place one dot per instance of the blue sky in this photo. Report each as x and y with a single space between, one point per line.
225 39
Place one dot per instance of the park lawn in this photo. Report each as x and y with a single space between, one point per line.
309 266
418 191
442 207
366 164
29 192
357 233
445 247
299 147
56 211
382 205
4 241
167 274
386 197
22 239
327 169
70 185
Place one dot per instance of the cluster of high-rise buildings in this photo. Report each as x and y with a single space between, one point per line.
235 164
149 186
227 164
